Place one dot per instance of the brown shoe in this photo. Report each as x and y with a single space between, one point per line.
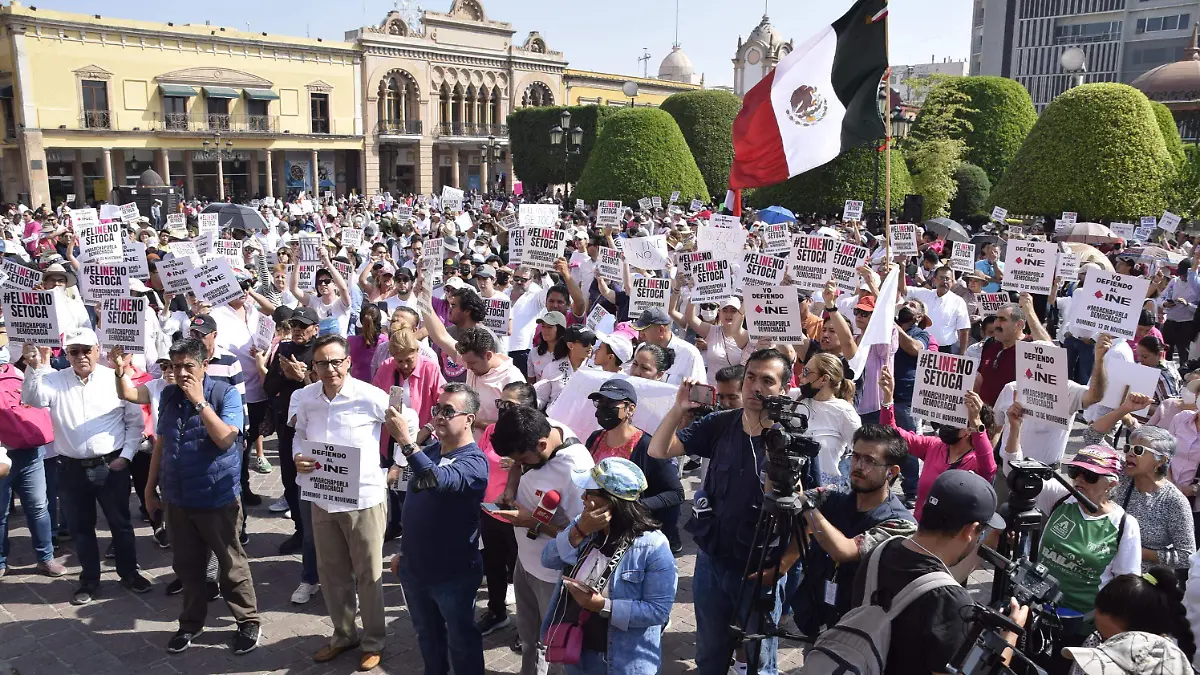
52 568
369 660
330 652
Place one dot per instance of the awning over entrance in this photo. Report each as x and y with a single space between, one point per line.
220 92
177 90
261 95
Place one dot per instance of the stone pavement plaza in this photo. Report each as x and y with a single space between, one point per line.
121 632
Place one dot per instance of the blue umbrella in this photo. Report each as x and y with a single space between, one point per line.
776 214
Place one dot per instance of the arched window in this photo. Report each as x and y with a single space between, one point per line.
537 95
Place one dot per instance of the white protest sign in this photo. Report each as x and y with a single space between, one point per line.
404 213
310 246
537 215
134 257
498 314
1122 230
230 249
999 214
1068 266
81 218
175 274
352 238
1126 378
1169 221
214 283
724 242
656 202
1143 233
644 204
543 247
990 303
597 316
176 220
608 213
1029 266
762 270
712 280
464 222
264 332
1042 382
1059 226
649 292
20 277
1110 303
847 258
101 242
121 324
508 222
722 220
674 197
204 244
335 476
773 313
853 210
184 249
687 259
647 253
497 205
452 198
696 206
608 264
904 239
30 318
516 246
962 257
306 275
1149 221
1070 217
571 408
943 381
776 238
811 263
129 212
71 198
99 281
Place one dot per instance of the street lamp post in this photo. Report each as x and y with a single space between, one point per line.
220 153
1074 61
570 139
491 151
885 91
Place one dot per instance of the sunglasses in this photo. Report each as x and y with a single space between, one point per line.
520 280
445 412
1139 450
860 312
1075 472
79 351
324 281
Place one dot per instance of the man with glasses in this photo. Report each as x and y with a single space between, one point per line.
847 524
348 536
196 462
95 436
528 302
951 327
439 563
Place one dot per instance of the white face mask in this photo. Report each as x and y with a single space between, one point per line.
1189 397
708 315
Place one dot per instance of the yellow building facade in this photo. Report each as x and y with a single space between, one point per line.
585 87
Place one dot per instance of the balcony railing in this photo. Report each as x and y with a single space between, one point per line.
472 129
203 122
95 119
399 127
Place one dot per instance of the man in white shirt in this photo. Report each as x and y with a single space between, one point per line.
948 311
527 437
488 371
341 411
95 436
654 326
528 302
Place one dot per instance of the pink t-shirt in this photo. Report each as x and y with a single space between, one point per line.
497 477
936 456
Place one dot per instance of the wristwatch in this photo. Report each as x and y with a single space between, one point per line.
535 531
202 405
981 429
408 450
606 611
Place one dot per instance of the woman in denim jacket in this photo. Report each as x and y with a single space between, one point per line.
622 612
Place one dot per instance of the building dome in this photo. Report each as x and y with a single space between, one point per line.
677 67
765 33
150 178
1174 82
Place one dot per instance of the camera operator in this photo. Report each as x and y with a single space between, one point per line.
732 441
847 524
958 513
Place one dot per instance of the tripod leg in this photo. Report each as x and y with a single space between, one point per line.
745 608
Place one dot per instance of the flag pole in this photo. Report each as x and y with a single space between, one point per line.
887 126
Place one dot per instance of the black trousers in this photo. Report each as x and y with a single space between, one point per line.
139 470
287 470
257 415
499 560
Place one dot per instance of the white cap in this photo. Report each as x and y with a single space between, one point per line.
732 301
84 337
136 286
620 345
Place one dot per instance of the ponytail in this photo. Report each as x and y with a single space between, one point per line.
1151 603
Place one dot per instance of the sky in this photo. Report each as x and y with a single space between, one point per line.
606 35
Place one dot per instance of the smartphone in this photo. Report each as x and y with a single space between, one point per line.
578 584
703 394
396 398
490 507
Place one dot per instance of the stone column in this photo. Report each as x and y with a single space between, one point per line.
283 191
77 175
164 165
108 173
220 176
483 170
270 178
118 167
454 177
316 178
254 173
424 166
189 175
508 170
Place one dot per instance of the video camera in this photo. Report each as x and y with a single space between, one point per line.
789 450
983 652
1029 582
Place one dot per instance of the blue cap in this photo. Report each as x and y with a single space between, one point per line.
616 389
617 476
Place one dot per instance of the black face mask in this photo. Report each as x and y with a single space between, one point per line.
608 417
949 435
808 390
905 315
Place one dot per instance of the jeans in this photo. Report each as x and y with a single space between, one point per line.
308 549
54 505
715 590
287 472
1080 359
26 477
85 487
590 663
443 614
910 470
669 517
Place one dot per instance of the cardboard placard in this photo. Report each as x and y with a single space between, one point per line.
1110 303
516 246
722 220
773 313
230 249
264 332
121 324
498 314
904 239
30 318
674 197
656 202
452 198
648 292
335 478
183 249
310 247
999 214
1122 230
81 218
962 257
537 215
1148 221
71 198
213 283
497 205
847 258
811 263
598 316
776 238
306 276
644 204
1126 378
204 244
175 274
724 242
176 220
1042 382
689 258
762 270
1143 233
99 282
1068 266
352 238
712 280
608 264
990 303
129 212
1070 217
18 276
543 247
404 213
696 206
134 257
1169 221
647 253
464 222
853 210
608 213
943 381
101 242
580 205
1029 266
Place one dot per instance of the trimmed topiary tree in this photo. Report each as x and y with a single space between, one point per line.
1096 150
706 119
1000 115
640 153
972 194
824 190
1170 131
538 163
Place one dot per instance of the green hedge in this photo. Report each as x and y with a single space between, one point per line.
706 119
1000 113
640 153
535 161
972 194
1170 131
824 190
1097 150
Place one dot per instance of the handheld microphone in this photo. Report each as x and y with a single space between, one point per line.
701 508
547 507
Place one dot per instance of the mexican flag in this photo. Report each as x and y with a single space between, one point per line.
820 101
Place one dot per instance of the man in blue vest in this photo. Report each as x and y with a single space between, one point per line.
197 462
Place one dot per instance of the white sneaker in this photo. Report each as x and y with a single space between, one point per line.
510 596
739 668
304 593
278 506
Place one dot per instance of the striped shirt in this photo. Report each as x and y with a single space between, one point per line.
225 367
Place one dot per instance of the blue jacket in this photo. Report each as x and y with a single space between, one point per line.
441 525
642 591
193 472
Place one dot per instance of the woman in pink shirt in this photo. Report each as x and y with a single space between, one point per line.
968 449
420 378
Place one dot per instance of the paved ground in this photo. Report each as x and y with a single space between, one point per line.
40 632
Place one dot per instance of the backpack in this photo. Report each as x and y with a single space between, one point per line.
21 427
858 644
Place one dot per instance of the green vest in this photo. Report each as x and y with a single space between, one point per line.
1076 550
